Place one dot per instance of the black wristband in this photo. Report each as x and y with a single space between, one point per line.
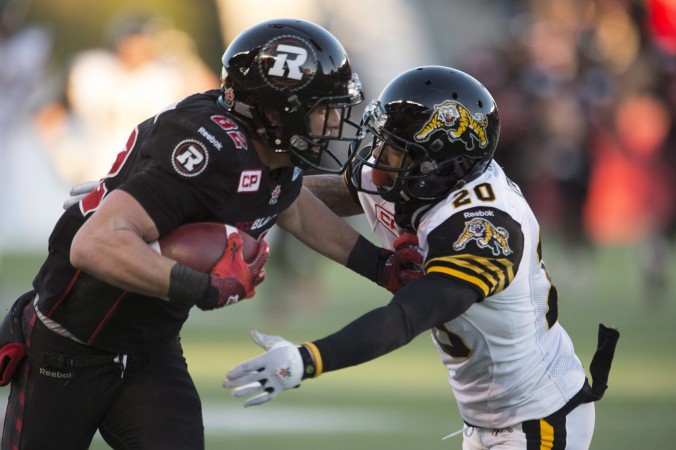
187 286
364 259
309 370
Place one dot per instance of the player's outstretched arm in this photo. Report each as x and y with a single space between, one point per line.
314 224
417 307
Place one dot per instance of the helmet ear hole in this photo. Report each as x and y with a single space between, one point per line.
272 115
437 145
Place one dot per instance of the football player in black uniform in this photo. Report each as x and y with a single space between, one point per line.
101 326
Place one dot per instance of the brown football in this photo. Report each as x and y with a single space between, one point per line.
200 245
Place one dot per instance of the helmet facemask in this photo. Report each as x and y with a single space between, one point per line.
318 145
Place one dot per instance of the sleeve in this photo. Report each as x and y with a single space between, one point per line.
480 247
167 201
189 178
417 307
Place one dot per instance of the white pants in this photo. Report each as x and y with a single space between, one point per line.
571 432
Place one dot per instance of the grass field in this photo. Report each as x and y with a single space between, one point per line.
402 401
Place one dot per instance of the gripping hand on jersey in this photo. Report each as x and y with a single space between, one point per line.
278 369
79 192
403 265
232 278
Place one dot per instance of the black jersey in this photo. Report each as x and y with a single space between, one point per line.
192 162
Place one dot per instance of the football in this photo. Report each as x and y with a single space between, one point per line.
199 245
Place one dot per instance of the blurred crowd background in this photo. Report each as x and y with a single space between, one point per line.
586 91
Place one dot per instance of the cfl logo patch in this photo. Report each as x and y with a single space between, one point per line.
189 158
249 181
288 62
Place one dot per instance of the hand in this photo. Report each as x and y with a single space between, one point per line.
232 278
278 369
401 266
79 192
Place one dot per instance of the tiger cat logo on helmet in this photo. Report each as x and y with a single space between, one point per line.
486 235
459 123
287 62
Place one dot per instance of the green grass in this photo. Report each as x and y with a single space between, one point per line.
402 400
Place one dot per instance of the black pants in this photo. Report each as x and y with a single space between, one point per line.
64 392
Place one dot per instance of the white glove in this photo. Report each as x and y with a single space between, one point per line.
278 369
79 192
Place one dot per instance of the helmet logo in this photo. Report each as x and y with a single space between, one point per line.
459 124
288 62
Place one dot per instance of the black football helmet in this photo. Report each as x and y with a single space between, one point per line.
293 66
444 122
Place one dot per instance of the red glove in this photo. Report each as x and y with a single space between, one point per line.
401 266
10 356
232 278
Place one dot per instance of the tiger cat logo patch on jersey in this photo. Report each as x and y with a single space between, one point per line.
458 123
486 235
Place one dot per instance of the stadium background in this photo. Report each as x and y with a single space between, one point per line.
401 401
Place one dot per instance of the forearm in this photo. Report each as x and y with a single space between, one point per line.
416 308
114 248
314 224
333 192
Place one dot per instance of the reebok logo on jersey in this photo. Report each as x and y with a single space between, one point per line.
56 374
469 215
249 181
209 137
190 158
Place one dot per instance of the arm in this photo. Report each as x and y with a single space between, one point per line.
419 306
334 192
314 224
112 246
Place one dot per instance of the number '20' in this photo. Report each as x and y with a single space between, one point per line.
483 192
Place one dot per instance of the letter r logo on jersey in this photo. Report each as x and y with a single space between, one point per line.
293 64
249 181
189 158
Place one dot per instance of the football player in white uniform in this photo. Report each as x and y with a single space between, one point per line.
486 294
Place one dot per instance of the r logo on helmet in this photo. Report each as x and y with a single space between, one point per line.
288 62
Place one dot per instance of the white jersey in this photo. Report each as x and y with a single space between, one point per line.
378 212
508 358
